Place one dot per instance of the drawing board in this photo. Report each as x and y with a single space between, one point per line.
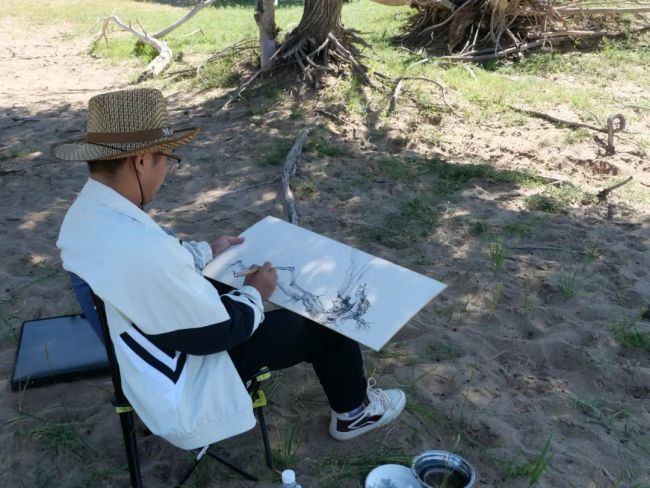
352 292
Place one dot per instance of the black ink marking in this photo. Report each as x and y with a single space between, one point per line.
351 302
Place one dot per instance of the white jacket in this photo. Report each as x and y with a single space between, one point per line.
153 294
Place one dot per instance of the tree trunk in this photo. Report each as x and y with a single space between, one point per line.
320 44
319 18
265 19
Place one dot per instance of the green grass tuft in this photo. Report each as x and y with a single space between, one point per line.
626 332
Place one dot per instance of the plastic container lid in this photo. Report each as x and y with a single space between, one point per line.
288 476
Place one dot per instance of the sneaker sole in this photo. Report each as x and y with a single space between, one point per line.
345 436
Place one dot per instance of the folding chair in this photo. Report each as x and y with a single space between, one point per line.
125 411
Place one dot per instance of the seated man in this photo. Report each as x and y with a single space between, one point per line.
184 351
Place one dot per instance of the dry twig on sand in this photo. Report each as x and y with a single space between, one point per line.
339 119
610 130
288 171
556 120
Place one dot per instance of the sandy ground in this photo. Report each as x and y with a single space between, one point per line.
495 367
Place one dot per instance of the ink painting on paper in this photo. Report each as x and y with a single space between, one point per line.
354 293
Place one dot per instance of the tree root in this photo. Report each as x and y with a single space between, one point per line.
478 31
313 60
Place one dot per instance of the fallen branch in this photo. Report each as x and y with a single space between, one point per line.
556 120
637 107
288 171
159 63
198 7
440 85
602 194
564 12
336 117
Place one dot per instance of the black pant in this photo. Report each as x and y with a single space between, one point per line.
285 338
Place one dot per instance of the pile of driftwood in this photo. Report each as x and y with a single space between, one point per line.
481 30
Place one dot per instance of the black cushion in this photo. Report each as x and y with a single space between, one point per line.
57 349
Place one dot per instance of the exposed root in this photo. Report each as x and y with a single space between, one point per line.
481 30
332 56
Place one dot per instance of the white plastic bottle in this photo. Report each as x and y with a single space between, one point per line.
289 479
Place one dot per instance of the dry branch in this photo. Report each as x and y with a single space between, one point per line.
556 120
288 171
336 117
602 194
197 8
164 58
602 11
159 63
400 84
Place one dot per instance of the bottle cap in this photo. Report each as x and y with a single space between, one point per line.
288 476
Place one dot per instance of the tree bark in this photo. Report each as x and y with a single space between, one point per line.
320 18
265 19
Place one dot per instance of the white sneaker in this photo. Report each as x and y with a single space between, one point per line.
380 407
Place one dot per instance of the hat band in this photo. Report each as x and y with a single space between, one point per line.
126 137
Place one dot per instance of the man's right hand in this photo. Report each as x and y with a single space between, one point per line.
264 280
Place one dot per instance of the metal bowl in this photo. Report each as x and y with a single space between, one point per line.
438 469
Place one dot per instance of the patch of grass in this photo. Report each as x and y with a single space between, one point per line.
578 135
276 152
554 199
441 351
454 176
395 168
306 189
291 440
496 296
598 409
478 228
627 333
21 152
222 73
342 466
522 228
531 468
59 438
498 254
355 99
323 144
424 412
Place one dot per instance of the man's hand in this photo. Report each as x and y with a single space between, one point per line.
220 245
264 280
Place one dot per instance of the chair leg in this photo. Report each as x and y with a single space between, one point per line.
191 469
265 439
131 446
245 474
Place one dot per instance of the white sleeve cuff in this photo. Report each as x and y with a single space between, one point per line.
201 252
251 297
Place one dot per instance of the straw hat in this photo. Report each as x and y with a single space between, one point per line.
123 123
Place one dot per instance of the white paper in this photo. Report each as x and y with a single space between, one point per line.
352 292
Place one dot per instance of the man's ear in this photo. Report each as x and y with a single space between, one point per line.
138 162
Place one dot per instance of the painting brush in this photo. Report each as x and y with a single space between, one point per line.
248 272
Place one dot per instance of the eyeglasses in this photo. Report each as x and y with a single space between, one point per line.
173 162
